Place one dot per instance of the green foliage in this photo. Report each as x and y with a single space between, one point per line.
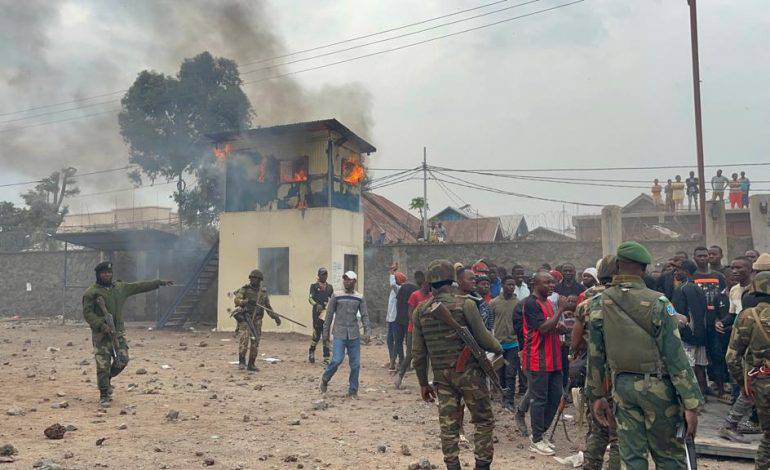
418 204
165 121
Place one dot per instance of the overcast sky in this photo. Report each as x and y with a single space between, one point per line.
599 83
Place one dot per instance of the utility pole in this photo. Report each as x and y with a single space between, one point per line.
425 192
698 122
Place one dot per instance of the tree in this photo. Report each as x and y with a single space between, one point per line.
165 121
418 204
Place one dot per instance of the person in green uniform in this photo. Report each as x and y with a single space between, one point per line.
435 339
750 342
110 361
253 297
320 293
633 336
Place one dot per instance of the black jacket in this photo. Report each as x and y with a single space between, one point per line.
690 300
402 303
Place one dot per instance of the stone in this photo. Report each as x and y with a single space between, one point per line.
6 450
208 461
405 450
246 418
100 441
303 415
122 426
14 411
203 344
141 371
62 404
55 431
61 394
70 343
84 362
382 448
294 422
68 455
47 464
71 427
172 415
320 405
290 458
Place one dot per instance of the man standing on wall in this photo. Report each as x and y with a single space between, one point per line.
693 191
253 299
110 360
345 306
718 185
319 296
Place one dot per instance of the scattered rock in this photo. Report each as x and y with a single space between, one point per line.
258 387
84 362
203 344
158 449
320 405
246 418
68 455
71 427
61 394
55 431
290 458
62 404
70 344
208 461
405 450
294 422
213 396
14 411
423 464
303 415
382 448
172 415
100 441
141 371
183 344
52 349
122 426
6 450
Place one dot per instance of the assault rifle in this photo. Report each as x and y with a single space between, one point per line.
110 321
439 311
279 315
241 315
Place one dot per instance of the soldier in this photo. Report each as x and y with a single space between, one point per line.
110 361
599 436
253 298
435 339
319 296
750 340
633 335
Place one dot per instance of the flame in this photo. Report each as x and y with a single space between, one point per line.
222 153
262 172
355 172
298 176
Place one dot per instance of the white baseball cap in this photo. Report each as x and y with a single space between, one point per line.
350 275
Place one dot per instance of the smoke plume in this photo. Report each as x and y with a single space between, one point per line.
54 52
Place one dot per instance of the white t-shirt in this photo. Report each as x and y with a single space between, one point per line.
736 292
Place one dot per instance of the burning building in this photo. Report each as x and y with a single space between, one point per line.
292 205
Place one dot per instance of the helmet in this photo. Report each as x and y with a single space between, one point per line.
761 282
440 270
103 266
256 273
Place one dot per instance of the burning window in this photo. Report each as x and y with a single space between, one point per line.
294 171
352 171
221 153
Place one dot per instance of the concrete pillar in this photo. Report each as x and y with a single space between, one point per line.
760 221
612 229
716 226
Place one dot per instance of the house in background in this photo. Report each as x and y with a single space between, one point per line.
386 223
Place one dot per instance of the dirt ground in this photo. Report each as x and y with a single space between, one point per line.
226 418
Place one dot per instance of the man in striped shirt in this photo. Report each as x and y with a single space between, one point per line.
541 357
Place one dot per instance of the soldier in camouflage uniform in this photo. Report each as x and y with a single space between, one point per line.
750 341
599 436
633 335
248 297
110 363
435 339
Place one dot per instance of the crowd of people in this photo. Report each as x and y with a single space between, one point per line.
671 196
540 319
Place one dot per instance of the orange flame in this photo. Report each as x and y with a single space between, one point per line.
262 172
298 176
222 153
355 172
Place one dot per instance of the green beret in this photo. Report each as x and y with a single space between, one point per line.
634 251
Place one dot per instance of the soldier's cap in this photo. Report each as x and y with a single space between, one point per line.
761 282
103 266
606 267
762 263
635 252
322 271
350 275
256 273
440 270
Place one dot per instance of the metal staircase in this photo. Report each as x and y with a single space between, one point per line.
188 299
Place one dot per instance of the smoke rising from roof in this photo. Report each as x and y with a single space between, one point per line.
56 52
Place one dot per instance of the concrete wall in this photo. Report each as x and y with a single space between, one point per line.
315 237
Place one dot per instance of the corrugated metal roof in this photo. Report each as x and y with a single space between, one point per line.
382 215
484 229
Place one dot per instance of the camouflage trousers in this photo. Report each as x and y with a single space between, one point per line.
454 391
107 364
245 339
596 444
760 387
648 416
317 337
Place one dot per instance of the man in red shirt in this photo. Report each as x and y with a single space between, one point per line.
416 298
541 356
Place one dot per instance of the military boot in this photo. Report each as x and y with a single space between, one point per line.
241 361
311 355
482 465
110 389
251 367
731 433
453 465
104 398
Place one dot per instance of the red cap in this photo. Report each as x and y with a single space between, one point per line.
556 275
400 278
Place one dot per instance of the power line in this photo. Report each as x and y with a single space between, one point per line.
608 168
331 64
283 56
76 175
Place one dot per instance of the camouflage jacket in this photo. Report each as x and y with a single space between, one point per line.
580 329
114 298
749 341
248 297
666 337
437 340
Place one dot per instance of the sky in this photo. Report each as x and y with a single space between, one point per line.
595 84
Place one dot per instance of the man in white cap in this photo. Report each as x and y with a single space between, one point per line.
345 306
